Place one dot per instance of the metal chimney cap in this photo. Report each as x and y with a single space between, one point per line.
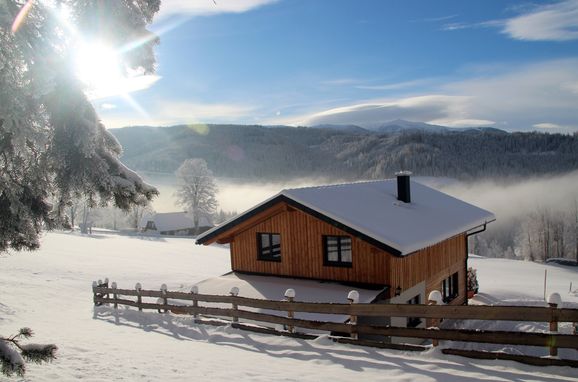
403 173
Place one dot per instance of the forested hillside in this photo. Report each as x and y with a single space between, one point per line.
253 152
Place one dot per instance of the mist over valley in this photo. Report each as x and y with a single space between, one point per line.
529 180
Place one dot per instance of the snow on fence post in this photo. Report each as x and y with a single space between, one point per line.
114 295
235 292
434 298
290 296
106 286
163 299
353 297
99 284
194 292
138 288
554 301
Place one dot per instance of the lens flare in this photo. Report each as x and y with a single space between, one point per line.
200 128
21 16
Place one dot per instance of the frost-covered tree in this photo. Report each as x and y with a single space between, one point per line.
196 189
136 213
52 144
51 140
222 216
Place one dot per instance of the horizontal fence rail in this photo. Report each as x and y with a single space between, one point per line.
231 307
471 312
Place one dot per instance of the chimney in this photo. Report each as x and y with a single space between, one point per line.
403 190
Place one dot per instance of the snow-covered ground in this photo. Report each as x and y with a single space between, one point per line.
50 291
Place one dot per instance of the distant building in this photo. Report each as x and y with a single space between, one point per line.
173 224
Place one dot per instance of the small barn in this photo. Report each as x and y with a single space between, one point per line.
396 237
172 223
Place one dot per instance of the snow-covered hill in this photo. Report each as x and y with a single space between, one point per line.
50 291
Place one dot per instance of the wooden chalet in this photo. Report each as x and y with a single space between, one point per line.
399 236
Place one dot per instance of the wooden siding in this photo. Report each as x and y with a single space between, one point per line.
302 254
302 251
433 264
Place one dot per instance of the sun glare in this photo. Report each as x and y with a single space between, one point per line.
98 67
101 70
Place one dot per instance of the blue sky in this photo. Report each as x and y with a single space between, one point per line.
508 64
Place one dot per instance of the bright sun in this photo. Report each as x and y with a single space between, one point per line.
100 69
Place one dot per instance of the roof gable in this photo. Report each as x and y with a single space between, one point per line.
371 211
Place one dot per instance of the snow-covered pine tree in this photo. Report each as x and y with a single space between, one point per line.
52 143
51 140
14 354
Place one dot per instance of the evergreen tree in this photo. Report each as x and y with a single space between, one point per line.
51 140
14 354
52 144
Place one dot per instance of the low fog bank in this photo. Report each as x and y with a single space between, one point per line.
536 217
509 201
233 194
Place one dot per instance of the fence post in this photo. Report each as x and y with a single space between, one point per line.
138 288
290 296
105 284
164 298
114 295
353 297
94 286
194 292
434 298
235 292
554 301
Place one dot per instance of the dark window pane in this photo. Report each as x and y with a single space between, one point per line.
276 239
346 256
269 246
264 240
337 250
333 255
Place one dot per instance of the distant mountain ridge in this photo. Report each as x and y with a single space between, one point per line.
400 125
349 152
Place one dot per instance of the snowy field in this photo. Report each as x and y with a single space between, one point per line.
50 291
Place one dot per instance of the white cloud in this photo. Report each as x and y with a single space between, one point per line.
166 113
553 22
208 7
455 26
107 106
517 100
341 82
188 112
124 85
426 108
462 122
546 125
396 85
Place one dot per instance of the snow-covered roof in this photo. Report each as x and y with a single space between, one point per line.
172 221
273 288
372 210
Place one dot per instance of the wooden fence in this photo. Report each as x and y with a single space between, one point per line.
347 332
